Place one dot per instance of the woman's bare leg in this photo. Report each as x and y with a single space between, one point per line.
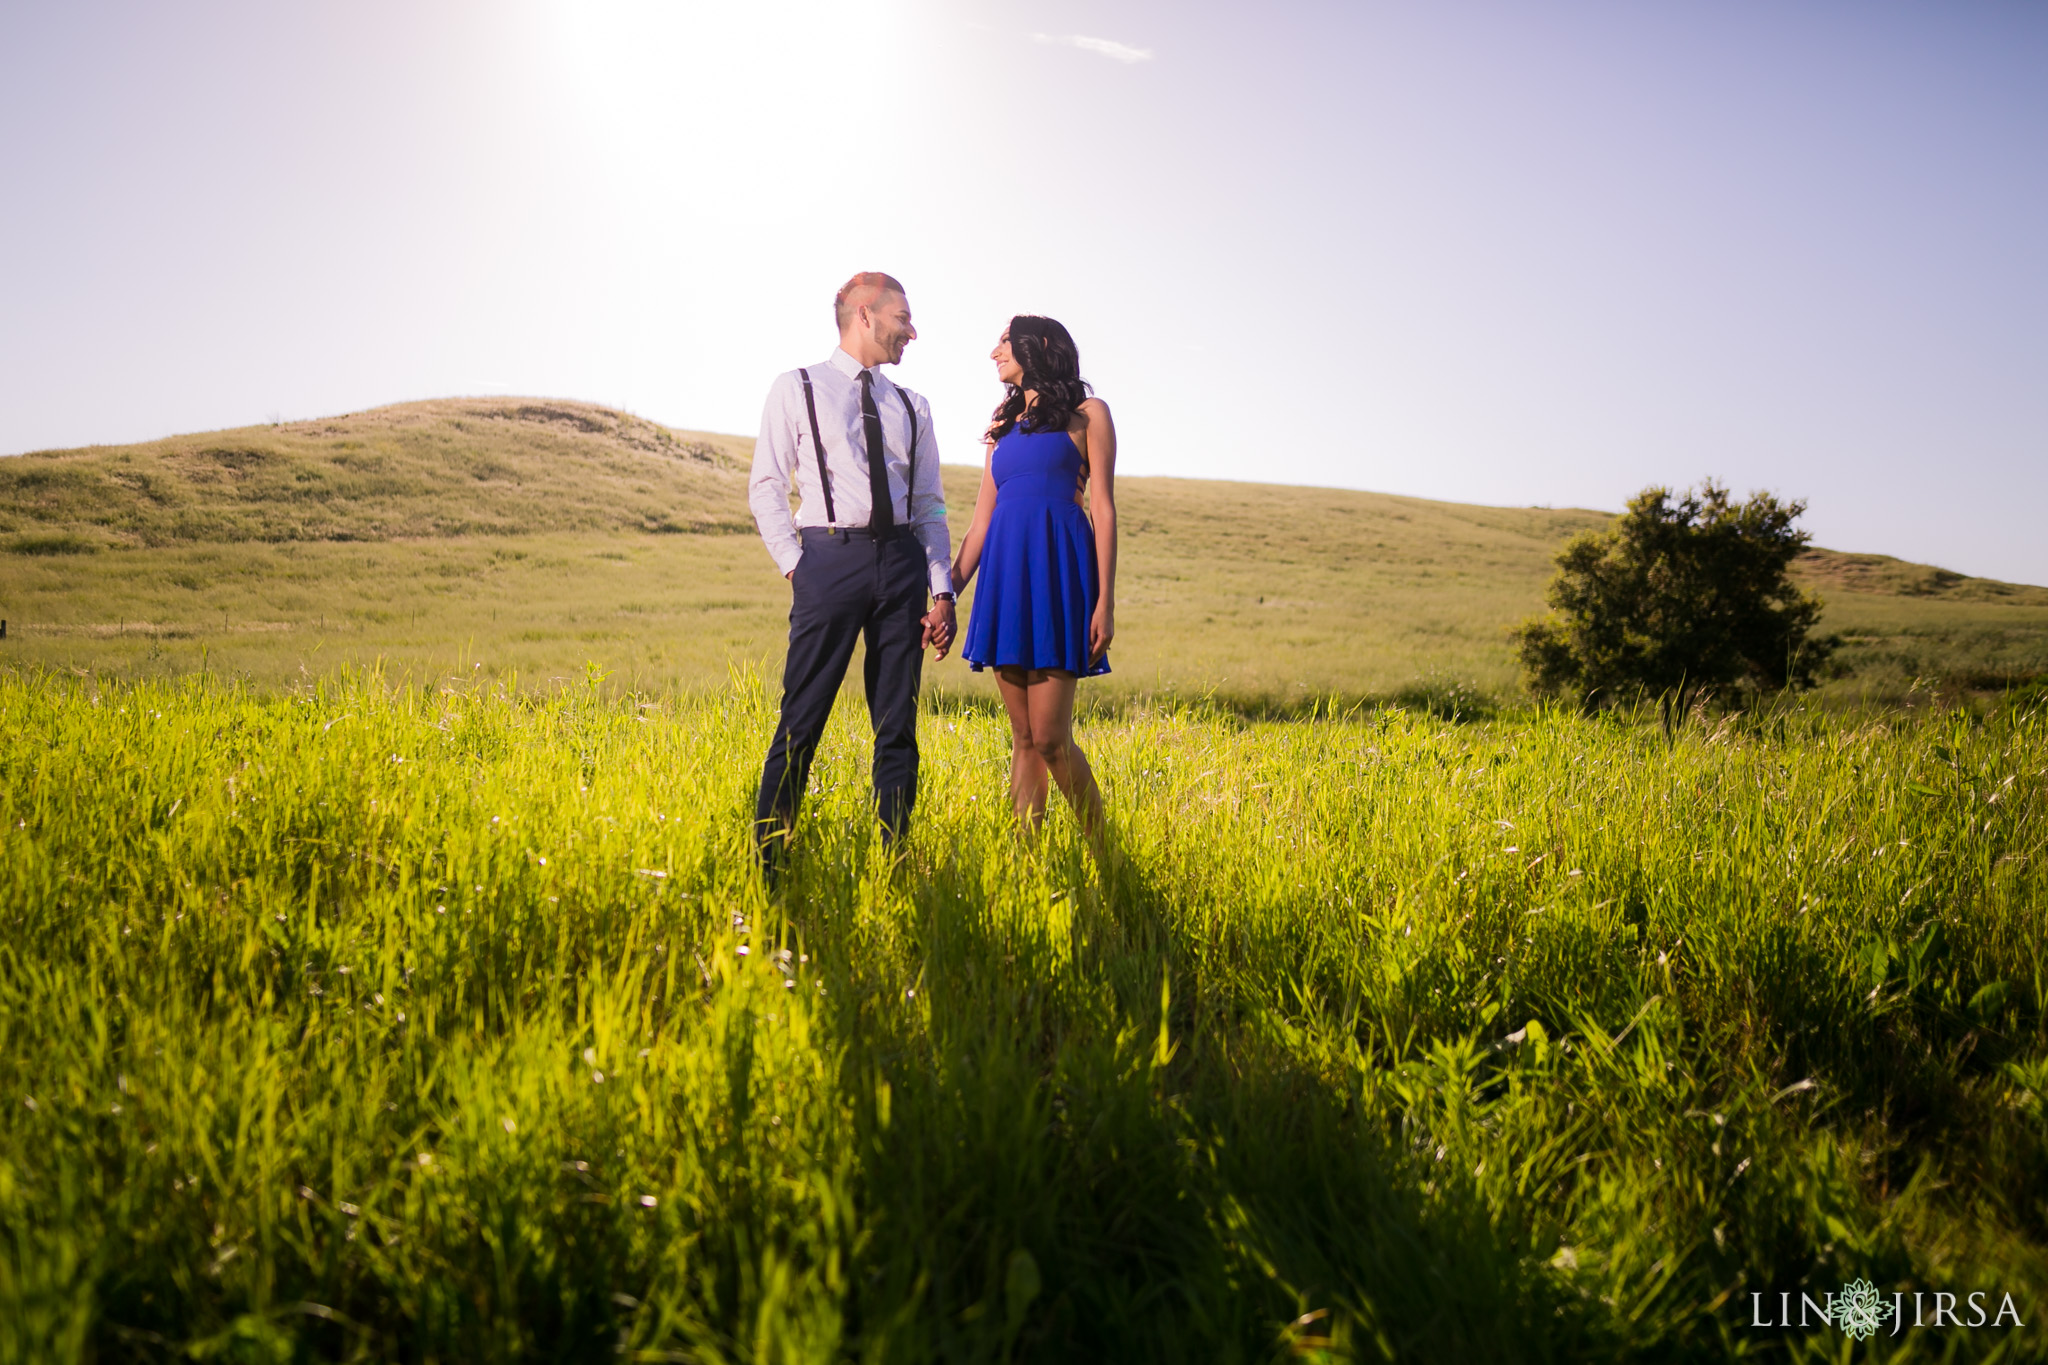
1050 716
1028 788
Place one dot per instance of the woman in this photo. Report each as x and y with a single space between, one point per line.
1045 612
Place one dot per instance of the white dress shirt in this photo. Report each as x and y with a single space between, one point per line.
783 455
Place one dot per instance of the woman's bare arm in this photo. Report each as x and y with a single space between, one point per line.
969 558
1101 454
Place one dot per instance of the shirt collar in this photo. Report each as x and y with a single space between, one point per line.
848 366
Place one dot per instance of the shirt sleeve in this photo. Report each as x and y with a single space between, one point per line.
928 502
775 457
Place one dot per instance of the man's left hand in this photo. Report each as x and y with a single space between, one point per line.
938 628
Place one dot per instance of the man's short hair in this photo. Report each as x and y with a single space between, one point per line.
850 297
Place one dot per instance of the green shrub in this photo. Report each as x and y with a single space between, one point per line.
1677 598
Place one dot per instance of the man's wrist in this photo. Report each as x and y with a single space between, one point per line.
944 597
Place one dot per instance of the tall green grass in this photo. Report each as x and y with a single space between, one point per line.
452 1025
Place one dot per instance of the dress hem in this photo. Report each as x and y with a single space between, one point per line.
982 665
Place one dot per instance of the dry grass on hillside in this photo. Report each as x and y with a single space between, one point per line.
524 534
1832 572
458 466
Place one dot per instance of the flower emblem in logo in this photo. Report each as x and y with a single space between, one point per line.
1859 1309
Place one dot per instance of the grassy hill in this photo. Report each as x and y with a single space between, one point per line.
535 536
452 467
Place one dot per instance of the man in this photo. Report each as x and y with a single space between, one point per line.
867 543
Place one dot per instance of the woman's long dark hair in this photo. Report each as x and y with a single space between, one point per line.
1052 369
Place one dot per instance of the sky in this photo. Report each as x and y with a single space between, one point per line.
1498 251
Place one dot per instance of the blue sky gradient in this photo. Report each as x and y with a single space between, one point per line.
1496 252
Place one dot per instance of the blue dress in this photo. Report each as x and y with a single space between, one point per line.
1038 579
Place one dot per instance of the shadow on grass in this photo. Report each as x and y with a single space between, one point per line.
1067 1157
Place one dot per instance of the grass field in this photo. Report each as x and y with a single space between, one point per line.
534 536
435 1014
450 1025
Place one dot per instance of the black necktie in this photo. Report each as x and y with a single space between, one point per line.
883 518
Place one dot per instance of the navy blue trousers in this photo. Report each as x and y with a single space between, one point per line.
848 588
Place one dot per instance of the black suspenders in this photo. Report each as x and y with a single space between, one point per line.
910 480
818 449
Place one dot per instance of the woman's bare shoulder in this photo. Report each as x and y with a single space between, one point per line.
1089 413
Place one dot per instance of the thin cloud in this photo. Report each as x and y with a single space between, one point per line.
1101 47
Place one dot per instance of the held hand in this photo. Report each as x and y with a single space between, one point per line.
1101 630
938 628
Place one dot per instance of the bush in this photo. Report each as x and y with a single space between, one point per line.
1680 597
